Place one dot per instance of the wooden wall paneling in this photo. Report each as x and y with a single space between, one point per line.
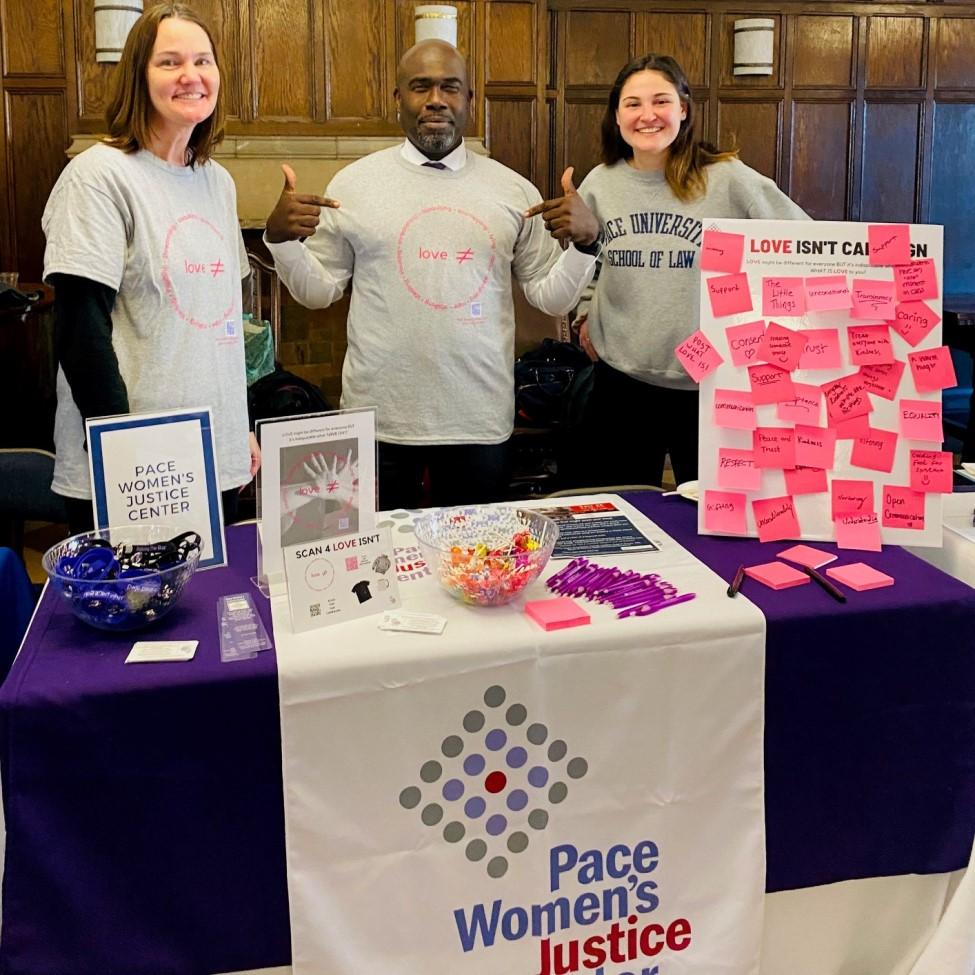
895 52
354 34
511 132
726 41
951 202
582 148
820 158
954 47
889 181
597 46
33 38
824 55
684 36
511 43
286 60
223 18
93 79
756 128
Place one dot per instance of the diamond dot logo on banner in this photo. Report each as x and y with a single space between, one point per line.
496 783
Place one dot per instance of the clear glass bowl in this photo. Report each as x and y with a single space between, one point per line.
486 555
122 603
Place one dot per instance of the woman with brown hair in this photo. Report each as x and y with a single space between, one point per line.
656 188
146 256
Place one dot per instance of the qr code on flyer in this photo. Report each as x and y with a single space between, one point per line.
315 610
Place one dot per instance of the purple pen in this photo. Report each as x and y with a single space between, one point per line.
647 608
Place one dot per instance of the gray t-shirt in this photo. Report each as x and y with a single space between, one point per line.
166 238
646 301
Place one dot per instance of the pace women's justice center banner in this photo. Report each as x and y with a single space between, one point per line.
821 367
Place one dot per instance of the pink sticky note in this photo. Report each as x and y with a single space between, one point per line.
875 450
729 294
806 480
828 293
932 369
782 346
744 340
916 281
775 518
777 575
774 447
724 511
737 470
556 613
870 345
860 576
845 398
856 426
807 555
873 299
890 243
920 419
858 531
815 446
698 356
734 409
850 497
822 349
931 471
804 408
721 251
882 380
902 507
783 297
913 320
770 385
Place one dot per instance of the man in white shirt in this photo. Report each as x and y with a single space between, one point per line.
430 235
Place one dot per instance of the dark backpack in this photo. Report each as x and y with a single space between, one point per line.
548 384
282 393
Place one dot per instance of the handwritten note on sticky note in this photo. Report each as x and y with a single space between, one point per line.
698 356
883 380
916 281
873 299
828 293
783 297
744 340
858 531
856 426
920 419
846 398
931 471
932 369
913 320
775 518
875 450
777 575
721 251
889 243
815 446
807 555
770 385
737 470
902 507
806 480
805 408
870 345
724 511
782 346
774 447
860 576
849 497
734 409
729 295
822 349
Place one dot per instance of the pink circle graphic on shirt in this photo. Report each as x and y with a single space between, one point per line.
195 273
445 257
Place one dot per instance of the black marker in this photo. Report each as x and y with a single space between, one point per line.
824 583
739 579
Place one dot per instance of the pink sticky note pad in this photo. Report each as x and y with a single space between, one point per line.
734 409
777 575
744 340
737 470
902 508
932 369
770 385
729 295
860 576
822 349
846 398
920 419
890 243
698 356
721 251
873 299
870 345
858 531
815 446
913 320
724 511
828 293
850 497
882 380
806 480
774 447
807 555
875 450
775 518
557 613
931 471
916 281
785 297
804 408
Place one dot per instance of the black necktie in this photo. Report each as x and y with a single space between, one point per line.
435 165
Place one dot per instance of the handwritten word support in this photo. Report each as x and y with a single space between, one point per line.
729 295
890 243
